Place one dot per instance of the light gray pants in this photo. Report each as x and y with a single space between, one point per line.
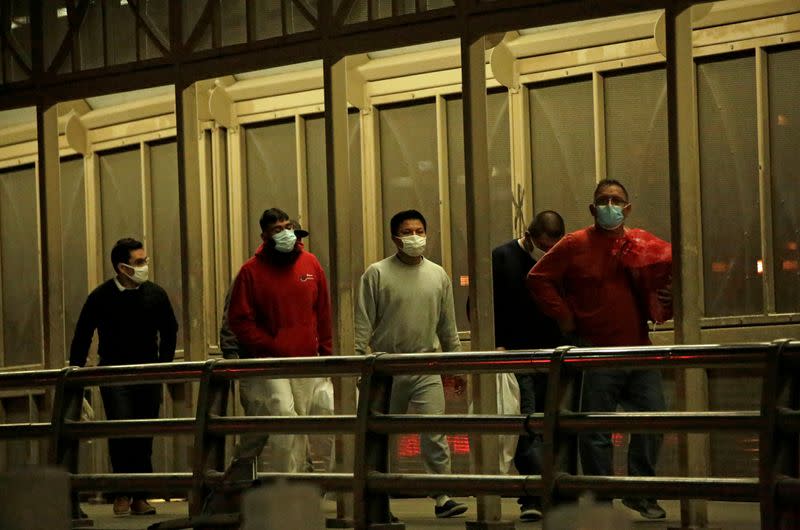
276 397
423 394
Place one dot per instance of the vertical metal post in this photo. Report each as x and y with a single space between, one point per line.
63 452
371 509
777 451
479 252
692 384
343 268
559 452
209 450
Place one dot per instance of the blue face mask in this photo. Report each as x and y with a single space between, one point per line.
610 216
285 240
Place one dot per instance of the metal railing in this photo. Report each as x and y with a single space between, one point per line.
777 487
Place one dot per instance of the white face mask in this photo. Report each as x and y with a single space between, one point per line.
413 245
285 240
140 274
537 253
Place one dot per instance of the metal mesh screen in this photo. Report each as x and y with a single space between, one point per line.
784 133
562 148
636 145
409 169
120 200
73 240
19 267
499 191
729 186
271 166
233 21
165 241
120 25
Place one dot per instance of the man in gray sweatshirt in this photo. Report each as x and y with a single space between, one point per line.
405 305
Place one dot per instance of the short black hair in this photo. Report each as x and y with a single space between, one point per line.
607 183
405 215
121 253
547 223
272 216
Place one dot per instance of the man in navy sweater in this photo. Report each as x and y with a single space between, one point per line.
519 325
136 325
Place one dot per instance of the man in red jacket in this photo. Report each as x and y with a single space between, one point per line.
279 307
582 285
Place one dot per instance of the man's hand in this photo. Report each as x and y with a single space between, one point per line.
664 295
567 326
459 384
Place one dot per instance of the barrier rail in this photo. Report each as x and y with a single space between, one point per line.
777 487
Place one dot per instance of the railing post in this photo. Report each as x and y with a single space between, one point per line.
64 451
370 508
209 450
559 451
778 452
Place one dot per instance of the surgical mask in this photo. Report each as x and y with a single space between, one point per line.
140 274
610 216
285 240
413 245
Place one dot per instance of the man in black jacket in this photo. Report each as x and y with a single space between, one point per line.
519 325
136 325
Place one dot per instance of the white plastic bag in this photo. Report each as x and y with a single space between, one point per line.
507 404
322 446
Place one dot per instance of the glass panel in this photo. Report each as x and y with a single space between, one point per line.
316 171
54 15
120 200
784 134
562 147
73 241
296 22
500 190
165 242
726 93
234 22
265 19
19 250
90 37
636 145
157 12
271 173
409 169
358 13
317 174
19 35
121 33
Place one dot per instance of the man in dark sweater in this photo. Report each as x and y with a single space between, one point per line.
136 325
520 325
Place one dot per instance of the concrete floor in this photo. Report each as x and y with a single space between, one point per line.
418 515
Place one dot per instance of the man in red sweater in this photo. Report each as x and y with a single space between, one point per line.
582 285
279 307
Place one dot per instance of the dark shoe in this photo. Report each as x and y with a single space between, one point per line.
530 513
647 508
122 506
142 507
393 518
450 509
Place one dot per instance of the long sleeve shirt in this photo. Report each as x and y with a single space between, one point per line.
281 309
518 322
134 326
405 309
581 277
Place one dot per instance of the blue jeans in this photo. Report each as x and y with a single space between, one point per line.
635 391
528 457
131 402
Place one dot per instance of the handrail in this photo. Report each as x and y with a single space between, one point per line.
776 487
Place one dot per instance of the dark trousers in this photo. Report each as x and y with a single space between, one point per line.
635 391
129 402
528 456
